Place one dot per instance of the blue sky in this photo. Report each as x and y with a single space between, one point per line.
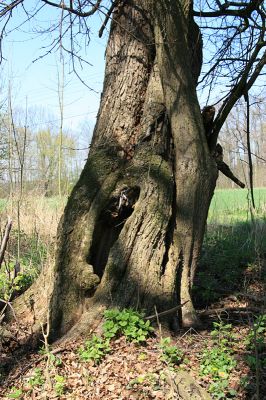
37 81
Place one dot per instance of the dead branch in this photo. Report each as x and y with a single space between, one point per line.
163 313
230 309
224 168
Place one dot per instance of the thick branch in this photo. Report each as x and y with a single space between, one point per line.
224 168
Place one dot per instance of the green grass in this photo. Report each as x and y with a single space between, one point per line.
52 203
3 203
234 243
229 206
55 202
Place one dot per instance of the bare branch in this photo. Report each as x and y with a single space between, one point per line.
8 8
238 91
62 5
167 312
243 10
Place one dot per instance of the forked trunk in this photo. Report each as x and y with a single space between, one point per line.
133 227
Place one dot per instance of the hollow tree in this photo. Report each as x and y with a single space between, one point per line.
132 229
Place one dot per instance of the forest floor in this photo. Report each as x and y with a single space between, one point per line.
221 358
226 357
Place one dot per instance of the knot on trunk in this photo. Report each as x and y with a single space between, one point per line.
85 277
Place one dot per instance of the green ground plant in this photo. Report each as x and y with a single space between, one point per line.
256 343
171 354
95 349
37 379
15 393
127 322
217 361
148 378
257 335
17 276
60 385
222 335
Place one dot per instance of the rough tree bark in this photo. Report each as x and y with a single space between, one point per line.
133 226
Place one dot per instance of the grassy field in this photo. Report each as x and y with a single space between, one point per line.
234 248
230 206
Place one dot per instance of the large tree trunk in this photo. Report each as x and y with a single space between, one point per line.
133 227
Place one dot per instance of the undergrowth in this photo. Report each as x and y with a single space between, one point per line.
218 361
16 275
229 252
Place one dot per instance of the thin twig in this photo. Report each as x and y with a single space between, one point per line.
163 313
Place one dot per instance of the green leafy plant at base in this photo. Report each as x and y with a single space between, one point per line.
222 334
219 389
37 379
217 362
15 393
256 344
127 322
172 355
95 349
256 336
60 384
148 378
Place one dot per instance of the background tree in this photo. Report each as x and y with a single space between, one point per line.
132 230
48 144
234 141
3 147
